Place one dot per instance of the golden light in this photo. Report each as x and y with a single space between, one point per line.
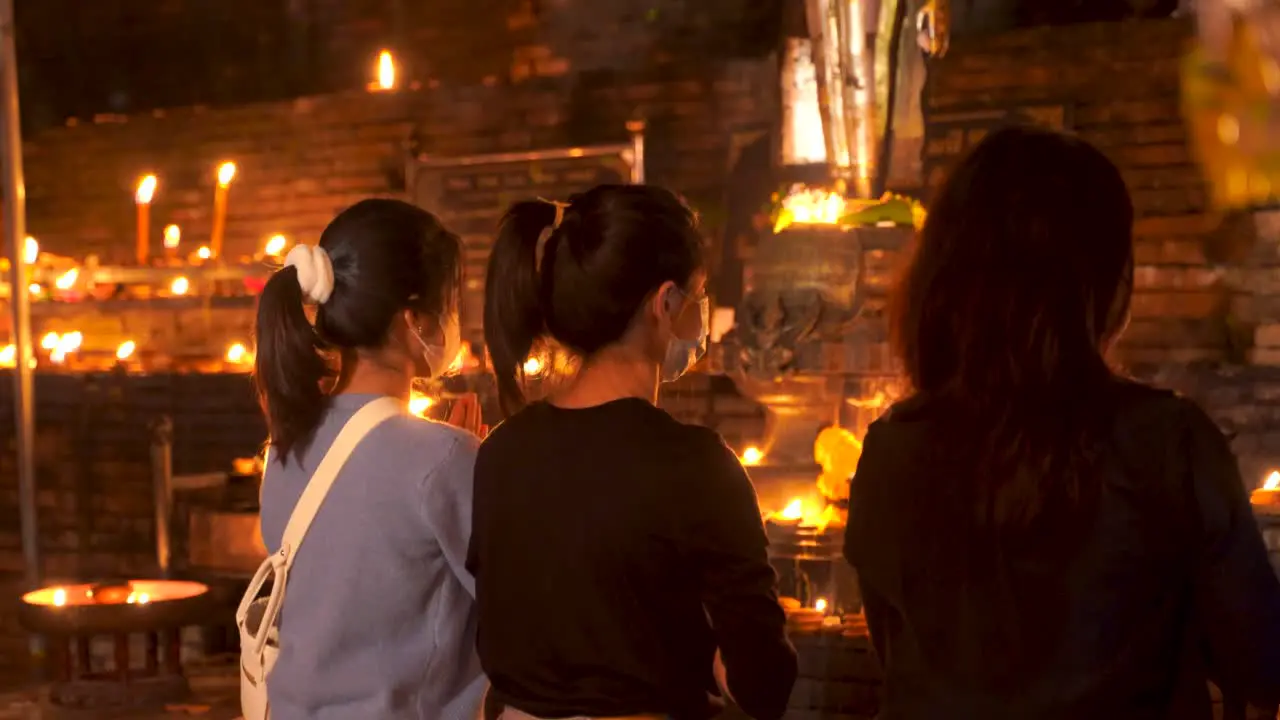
172 236
59 597
1273 481
275 246
419 404
810 206
179 286
67 280
49 341
30 251
820 605
146 190
35 289
126 349
204 253
65 345
226 173
532 366
793 511
386 71
9 356
752 456
238 354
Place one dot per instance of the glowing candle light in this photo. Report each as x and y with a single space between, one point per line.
172 237
820 605
9 356
142 198
752 456
532 366
59 597
386 72
238 354
226 173
275 245
179 286
204 253
30 251
1268 496
49 341
420 404
126 349
67 280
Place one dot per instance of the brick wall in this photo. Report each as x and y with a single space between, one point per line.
301 161
125 56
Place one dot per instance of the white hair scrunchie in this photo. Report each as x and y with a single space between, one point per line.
315 271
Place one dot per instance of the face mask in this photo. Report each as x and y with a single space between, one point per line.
440 358
683 354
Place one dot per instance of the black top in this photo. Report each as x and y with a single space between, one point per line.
1118 606
604 540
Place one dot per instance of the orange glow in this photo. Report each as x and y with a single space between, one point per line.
1273 481
226 173
126 349
752 456
386 71
805 514
238 354
204 253
419 404
179 286
136 592
30 251
49 341
532 366
275 246
9 356
810 206
820 605
67 280
172 236
146 190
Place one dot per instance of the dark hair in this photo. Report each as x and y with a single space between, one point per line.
387 256
1020 278
614 246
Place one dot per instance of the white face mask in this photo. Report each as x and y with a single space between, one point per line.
440 358
683 354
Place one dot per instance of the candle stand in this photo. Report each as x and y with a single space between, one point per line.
149 614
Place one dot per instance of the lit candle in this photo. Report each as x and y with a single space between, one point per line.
752 456
1267 497
226 173
275 246
386 72
172 237
142 198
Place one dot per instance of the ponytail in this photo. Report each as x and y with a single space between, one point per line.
288 368
513 309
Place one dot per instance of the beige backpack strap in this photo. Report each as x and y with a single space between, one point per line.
373 414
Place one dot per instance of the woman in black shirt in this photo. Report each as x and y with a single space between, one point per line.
1035 536
619 555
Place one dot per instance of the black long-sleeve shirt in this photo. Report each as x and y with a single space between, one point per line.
614 550
1121 606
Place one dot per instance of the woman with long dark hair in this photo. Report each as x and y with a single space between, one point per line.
619 554
1036 536
378 621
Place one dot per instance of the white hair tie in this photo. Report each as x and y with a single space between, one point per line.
315 271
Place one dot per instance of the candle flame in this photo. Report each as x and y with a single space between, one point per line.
179 286
386 71
146 190
34 288
49 341
1273 481
752 456
226 173
420 404
275 246
238 354
810 206
533 366
30 251
172 236
125 351
204 253
59 597
67 280
9 356
820 605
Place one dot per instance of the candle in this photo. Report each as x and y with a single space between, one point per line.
142 198
275 246
226 173
386 72
1267 497
172 236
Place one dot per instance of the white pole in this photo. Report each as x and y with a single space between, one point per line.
15 224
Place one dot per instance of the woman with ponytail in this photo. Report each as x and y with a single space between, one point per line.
378 620
619 554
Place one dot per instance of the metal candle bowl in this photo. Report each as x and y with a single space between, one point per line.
111 608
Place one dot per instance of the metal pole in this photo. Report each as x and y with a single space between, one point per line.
162 486
15 221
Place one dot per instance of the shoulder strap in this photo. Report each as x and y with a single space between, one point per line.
366 419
